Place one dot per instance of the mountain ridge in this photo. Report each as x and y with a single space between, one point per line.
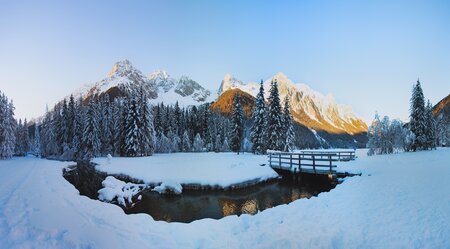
309 107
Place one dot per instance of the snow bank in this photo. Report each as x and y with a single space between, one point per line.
222 170
123 191
169 188
404 203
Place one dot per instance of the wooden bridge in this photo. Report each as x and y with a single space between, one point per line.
309 162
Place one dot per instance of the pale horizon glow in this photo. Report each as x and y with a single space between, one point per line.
367 55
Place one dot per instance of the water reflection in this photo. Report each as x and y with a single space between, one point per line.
194 205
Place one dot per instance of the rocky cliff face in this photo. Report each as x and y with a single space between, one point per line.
310 108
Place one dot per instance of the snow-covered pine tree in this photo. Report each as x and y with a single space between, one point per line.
105 113
175 141
431 126
198 144
288 126
91 137
157 121
185 142
258 129
7 128
443 130
417 117
147 131
117 124
78 129
237 125
164 144
373 135
274 125
36 148
132 129
70 121
22 141
225 145
218 143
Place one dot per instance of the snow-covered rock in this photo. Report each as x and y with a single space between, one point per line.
169 187
123 191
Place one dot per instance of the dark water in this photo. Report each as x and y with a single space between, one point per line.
193 205
198 204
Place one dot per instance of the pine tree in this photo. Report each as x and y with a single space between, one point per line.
288 126
218 143
105 113
91 140
36 141
417 117
131 128
146 132
274 120
258 131
118 126
431 126
237 125
185 142
22 141
7 128
78 130
164 144
198 143
225 145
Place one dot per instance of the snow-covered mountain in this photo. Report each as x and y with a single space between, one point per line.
124 78
309 107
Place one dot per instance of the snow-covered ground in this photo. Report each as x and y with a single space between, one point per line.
207 169
400 201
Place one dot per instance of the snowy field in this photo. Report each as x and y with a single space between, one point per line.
207 169
400 201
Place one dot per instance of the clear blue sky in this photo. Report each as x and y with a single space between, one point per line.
367 53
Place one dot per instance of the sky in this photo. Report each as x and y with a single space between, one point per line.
368 54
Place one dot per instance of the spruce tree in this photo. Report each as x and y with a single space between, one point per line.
198 144
274 123
417 117
431 126
288 133
36 141
237 125
258 131
146 131
91 140
7 128
131 128
185 142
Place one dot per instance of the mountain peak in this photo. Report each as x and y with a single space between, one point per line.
159 74
120 66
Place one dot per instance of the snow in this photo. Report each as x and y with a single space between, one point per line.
123 191
222 170
400 201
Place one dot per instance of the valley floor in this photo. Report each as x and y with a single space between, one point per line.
400 201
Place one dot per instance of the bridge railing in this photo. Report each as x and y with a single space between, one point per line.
318 162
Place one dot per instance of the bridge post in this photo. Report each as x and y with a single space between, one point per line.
290 161
331 168
279 159
314 163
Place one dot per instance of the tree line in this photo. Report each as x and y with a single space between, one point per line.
424 131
